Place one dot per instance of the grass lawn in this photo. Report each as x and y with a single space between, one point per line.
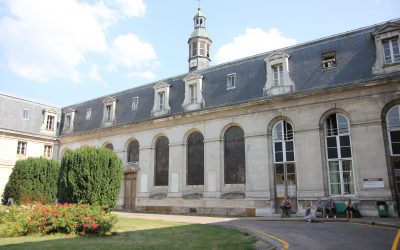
142 234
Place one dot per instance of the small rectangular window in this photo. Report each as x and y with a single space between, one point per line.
50 122
108 113
329 60
231 81
67 122
25 114
161 99
278 74
391 50
193 93
88 114
48 151
21 148
135 103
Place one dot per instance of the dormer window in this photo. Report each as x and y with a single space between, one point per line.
25 114
135 103
391 50
231 81
193 92
387 41
329 60
109 111
278 74
49 122
88 114
69 115
161 99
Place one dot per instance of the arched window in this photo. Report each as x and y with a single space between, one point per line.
393 127
195 159
109 146
234 151
133 151
284 165
162 162
283 142
338 150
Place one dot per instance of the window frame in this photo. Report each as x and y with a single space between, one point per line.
25 114
135 103
389 129
283 142
277 70
231 81
339 159
88 114
389 41
50 122
48 151
329 60
22 147
161 100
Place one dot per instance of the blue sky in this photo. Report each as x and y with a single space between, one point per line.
62 52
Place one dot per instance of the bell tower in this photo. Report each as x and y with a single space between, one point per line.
199 43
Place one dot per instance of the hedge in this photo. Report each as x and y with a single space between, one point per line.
33 180
90 175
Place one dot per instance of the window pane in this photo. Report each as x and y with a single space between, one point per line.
333 166
394 117
288 131
278 131
332 153
331 141
335 189
343 124
290 168
386 50
345 152
278 146
347 166
279 169
349 188
395 148
331 125
347 177
290 156
279 157
395 136
133 151
334 177
344 140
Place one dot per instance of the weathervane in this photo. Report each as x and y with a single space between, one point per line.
199 2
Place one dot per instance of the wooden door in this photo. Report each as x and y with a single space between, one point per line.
130 191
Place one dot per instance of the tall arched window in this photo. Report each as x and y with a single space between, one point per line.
109 146
338 150
393 127
284 165
195 159
133 151
162 162
234 151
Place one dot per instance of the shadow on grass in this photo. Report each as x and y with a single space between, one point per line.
175 236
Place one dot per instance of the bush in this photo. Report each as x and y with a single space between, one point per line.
33 179
90 175
65 218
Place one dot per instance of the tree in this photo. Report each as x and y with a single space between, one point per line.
90 175
33 179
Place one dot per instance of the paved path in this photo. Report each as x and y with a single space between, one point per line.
296 234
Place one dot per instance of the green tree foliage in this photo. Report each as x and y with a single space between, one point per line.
90 175
33 180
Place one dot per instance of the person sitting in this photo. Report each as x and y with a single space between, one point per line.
319 208
330 209
286 207
308 216
349 208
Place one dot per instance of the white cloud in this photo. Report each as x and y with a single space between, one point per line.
94 74
132 8
254 41
147 75
129 51
47 39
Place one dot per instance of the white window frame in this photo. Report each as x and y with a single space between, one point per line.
391 50
135 103
193 93
88 114
161 100
231 81
283 140
48 151
25 114
389 129
277 70
339 159
50 120
22 148
110 104
67 124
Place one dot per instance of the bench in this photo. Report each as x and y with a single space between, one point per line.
341 207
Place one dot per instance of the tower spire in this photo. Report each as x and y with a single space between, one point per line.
199 43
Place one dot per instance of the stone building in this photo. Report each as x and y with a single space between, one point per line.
27 129
316 120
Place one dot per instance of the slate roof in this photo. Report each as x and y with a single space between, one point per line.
11 109
355 56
